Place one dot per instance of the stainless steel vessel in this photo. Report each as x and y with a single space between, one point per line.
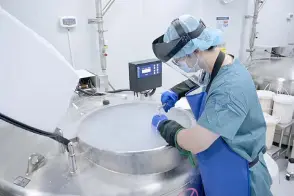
276 74
34 165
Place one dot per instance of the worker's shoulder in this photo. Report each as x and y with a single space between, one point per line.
235 80
235 75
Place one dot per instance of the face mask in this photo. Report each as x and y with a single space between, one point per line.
192 60
202 63
189 63
183 66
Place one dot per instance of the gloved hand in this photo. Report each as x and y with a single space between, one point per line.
169 99
157 119
169 129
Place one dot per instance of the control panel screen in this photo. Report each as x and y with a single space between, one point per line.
149 70
146 70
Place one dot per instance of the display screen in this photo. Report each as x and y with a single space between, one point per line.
146 70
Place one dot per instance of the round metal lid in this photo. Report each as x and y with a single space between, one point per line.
121 138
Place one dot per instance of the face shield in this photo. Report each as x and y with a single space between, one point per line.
166 51
187 66
199 77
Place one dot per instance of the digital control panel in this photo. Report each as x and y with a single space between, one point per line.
149 70
145 75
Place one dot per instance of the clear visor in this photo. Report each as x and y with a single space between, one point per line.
189 63
197 77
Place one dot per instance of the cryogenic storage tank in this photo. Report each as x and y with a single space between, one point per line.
117 152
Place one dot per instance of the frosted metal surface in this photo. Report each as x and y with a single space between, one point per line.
127 127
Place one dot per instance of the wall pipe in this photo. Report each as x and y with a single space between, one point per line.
107 6
99 17
254 28
102 81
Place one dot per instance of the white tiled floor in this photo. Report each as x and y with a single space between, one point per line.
284 188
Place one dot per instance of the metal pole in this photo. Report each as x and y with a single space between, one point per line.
99 17
107 6
102 81
254 30
72 159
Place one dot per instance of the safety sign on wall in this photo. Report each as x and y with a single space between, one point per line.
222 23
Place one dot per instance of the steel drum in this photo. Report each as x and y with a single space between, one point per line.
121 138
117 153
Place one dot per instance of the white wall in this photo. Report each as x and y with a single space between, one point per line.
132 25
236 11
273 27
43 17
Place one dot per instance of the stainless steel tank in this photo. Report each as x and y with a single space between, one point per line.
276 75
116 151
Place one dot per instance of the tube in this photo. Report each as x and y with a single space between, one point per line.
99 17
107 6
53 136
254 24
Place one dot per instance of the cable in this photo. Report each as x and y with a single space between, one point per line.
152 92
148 92
53 136
119 91
70 49
111 86
102 94
90 93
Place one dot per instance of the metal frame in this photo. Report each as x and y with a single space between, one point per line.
102 81
276 152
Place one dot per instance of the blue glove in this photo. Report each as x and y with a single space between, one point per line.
169 99
157 119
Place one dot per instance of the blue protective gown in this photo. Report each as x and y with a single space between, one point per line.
232 110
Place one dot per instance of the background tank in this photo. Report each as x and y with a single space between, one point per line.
276 74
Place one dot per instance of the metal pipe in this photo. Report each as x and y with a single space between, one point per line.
254 30
107 6
72 159
99 17
262 4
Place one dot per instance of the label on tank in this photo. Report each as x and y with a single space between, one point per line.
21 181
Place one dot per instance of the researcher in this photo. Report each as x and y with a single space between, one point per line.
228 142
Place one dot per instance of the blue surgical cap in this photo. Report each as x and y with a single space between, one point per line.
208 38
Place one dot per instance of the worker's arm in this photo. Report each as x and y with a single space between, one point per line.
170 98
223 115
196 140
